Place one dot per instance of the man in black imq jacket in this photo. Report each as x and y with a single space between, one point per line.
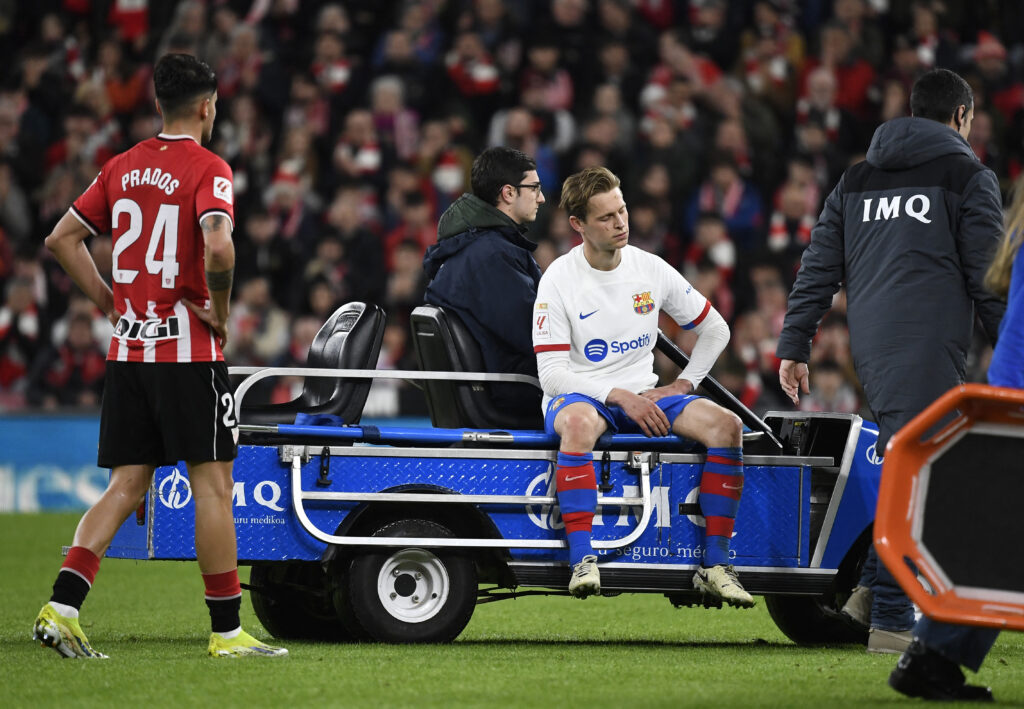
910 233
482 268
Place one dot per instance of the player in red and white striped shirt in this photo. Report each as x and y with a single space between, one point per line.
167 203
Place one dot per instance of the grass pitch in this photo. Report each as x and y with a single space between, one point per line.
629 651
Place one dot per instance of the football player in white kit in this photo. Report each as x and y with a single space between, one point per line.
594 329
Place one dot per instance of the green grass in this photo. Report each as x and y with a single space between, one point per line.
630 651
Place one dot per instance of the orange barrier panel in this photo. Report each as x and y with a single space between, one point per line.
903 495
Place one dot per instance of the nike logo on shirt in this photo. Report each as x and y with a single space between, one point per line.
584 317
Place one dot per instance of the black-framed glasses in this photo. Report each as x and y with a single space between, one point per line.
535 186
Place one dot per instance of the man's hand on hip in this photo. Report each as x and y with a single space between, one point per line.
793 377
644 412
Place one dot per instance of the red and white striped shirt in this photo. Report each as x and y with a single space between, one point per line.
151 199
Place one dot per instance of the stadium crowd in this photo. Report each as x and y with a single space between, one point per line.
351 126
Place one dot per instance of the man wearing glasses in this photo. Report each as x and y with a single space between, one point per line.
482 268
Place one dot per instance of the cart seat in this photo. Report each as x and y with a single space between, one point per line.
350 339
444 344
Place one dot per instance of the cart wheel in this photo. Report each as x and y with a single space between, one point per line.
810 620
293 602
815 620
411 594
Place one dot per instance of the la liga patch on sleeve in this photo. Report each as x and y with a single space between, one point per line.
541 329
222 189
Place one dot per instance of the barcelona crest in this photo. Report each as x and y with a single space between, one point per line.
643 303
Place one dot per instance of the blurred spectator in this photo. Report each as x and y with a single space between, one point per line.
445 164
823 156
856 16
712 34
984 144
126 85
259 328
71 373
818 105
303 332
333 71
853 75
20 148
515 128
15 215
20 335
362 259
617 22
1003 87
768 67
260 250
571 24
791 222
711 243
239 68
223 21
307 106
543 73
399 59
359 153
298 156
727 194
406 282
677 61
472 70
935 46
397 125
245 142
79 305
615 67
286 201
417 228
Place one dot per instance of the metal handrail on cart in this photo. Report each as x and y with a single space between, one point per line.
638 461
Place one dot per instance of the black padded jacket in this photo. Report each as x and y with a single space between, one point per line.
910 232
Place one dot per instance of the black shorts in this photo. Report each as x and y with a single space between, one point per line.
160 413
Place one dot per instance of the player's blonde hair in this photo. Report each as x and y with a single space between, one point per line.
581 186
998 277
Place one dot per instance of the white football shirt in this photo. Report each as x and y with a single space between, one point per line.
606 322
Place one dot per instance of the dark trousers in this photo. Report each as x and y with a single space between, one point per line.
890 607
965 645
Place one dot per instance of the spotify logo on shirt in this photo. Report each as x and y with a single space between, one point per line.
596 350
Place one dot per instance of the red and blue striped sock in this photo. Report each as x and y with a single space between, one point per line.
576 488
721 485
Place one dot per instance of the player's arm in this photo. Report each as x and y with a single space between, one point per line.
692 311
220 269
822 271
712 337
67 244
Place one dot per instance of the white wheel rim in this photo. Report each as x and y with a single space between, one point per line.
413 585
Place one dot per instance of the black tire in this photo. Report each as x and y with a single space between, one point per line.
811 620
815 620
293 602
409 594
